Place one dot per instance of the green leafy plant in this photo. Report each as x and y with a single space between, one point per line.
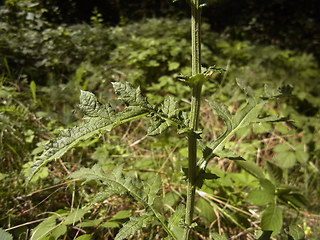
100 118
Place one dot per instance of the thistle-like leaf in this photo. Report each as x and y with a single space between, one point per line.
165 117
98 119
133 225
119 184
130 95
247 115
176 220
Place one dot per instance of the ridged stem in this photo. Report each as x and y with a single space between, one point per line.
194 116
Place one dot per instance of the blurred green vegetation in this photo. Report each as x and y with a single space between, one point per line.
45 63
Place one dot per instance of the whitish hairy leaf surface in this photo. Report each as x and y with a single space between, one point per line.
98 119
119 184
247 115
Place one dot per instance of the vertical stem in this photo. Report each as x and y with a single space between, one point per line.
194 115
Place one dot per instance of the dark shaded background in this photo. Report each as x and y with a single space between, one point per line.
286 23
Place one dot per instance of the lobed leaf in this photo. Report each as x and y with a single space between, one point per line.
133 225
175 221
247 115
166 117
98 119
130 95
120 184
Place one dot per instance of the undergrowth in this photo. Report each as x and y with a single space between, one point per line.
281 166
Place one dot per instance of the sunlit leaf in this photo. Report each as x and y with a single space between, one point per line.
272 219
5 235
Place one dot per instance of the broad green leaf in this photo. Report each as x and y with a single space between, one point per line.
267 186
216 236
110 224
173 65
259 197
75 216
296 232
3 176
271 219
286 160
44 228
262 196
85 237
59 230
282 147
133 225
33 91
5 235
301 155
90 223
122 215
205 211
251 168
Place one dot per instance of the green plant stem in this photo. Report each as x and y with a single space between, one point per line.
194 115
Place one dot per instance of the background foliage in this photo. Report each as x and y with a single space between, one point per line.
50 51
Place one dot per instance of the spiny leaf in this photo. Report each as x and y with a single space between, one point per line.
130 95
175 221
125 184
247 115
159 126
98 119
169 106
200 78
152 188
165 117
90 106
133 225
